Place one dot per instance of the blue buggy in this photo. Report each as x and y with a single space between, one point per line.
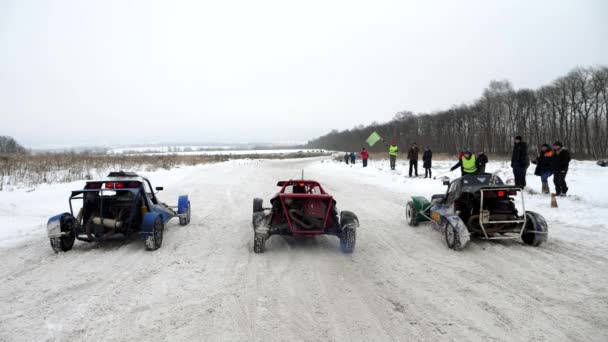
121 205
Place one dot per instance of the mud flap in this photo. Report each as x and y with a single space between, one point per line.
348 219
182 205
461 228
422 206
55 225
147 225
537 226
258 224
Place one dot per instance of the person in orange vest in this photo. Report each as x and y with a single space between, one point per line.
543 166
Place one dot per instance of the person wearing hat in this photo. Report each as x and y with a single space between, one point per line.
520 161
393 150
364 156
559 167
412 155
427 158
543 166
468 164
482 160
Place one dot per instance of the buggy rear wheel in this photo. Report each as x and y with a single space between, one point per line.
154 241
65 242
348 239
411 214
185 220
535 232
259 243
452 238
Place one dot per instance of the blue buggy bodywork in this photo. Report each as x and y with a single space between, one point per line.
121 205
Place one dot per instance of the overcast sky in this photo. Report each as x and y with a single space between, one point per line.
115 72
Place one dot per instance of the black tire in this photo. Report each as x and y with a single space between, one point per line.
183 221
259 243
154 241
258 205
65 242
530 236
452 238
348 239
411 214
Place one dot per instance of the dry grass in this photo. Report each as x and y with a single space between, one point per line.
28 170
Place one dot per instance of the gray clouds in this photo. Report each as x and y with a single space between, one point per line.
269 70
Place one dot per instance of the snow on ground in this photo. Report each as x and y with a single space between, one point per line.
204 150
401 284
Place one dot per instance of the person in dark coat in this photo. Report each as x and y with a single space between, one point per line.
412 155
520 161
346 157
427 158
482 160
364 156
559 166
353 157
543 166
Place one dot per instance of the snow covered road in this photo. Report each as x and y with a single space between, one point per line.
401 284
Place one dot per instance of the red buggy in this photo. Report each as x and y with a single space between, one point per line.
302 208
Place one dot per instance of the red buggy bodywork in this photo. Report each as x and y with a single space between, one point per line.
302 208
315 205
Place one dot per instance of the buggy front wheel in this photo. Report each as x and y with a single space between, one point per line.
348 239
259 243
64 242
185 220
411 214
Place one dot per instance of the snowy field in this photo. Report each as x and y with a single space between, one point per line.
401 284
205 150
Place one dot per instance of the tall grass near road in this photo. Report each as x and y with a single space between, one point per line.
25 170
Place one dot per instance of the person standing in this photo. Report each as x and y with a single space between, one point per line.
393 150
482 160
427 158
543 166
353 157
364 156
346 157
520 161
412 155
468 164
559 166
461 154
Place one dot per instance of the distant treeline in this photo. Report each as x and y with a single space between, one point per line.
572 109
9 145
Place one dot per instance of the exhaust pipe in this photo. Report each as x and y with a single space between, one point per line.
109 223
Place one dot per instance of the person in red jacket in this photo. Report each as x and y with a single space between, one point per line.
461 154
364 156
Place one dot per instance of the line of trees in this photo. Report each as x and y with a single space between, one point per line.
9 145
572 109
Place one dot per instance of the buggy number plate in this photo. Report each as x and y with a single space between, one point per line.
435 216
